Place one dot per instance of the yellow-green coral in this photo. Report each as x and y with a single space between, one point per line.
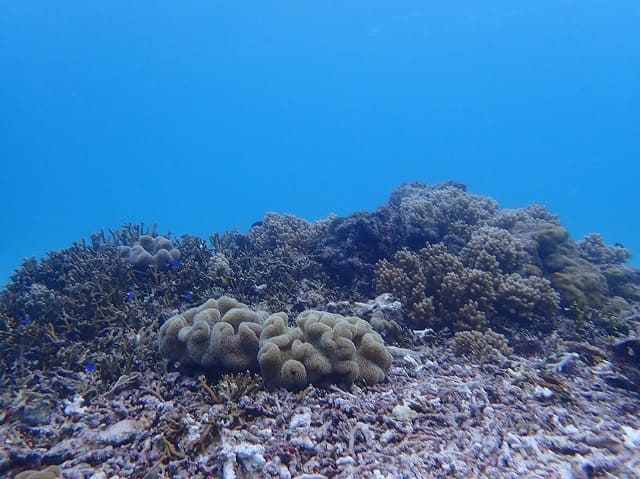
220 334
224 335
321 348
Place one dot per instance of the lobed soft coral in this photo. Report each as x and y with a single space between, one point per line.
442 213
220 335
322 348
438 290
226 336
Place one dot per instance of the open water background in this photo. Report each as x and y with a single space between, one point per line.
203 116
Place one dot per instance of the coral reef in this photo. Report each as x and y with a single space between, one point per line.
323 348
444 213
438 415
83 307
84 388
494 250
576 280
223 335
149 250
623 281
350 248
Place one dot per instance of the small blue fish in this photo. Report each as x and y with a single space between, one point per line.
188 296
176 263
26 320
130 297
90 368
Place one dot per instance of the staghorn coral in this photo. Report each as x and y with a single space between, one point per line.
149 250
322 348
220 335
82 305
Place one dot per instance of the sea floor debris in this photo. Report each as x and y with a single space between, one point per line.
438 415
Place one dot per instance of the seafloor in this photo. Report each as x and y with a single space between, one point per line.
514 349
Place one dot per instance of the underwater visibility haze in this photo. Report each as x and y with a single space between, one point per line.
203 116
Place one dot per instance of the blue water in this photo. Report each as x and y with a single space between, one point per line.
202 116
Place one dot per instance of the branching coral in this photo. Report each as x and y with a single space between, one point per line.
444 213
493 250
593 249
271 262
438 290
83 306
149 250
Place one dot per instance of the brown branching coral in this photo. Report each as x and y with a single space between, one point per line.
594 249
526 296
438 290
442 213
232 387
480 344
270 263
